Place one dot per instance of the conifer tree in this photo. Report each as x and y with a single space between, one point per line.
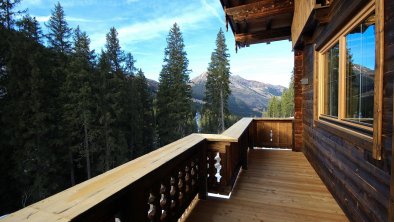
7 12
79 104
30 28
114 51
27 111
282 106
174 113
146 126
59 41
59 33
217 86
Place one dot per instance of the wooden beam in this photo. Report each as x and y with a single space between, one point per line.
260 9
378 87
263 36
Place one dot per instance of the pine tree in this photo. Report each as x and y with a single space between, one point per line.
114 51
217 86
128 99
59 41
7 14
27 118
79 102
174 107
30 28
287 100
146 126
59 33
282 106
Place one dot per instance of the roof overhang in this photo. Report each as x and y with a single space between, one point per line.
259 21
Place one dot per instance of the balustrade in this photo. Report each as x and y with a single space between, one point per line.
160 186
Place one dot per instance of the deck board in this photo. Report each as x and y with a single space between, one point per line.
278 186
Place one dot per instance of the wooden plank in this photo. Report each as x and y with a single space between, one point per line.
260 9
278 186
236 130
389 68
263 36
218 137
298 99
378 81
76 200
302 11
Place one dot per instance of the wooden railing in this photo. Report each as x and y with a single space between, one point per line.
160 185
273 133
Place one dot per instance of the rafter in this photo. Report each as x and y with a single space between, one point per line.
265 8
263 36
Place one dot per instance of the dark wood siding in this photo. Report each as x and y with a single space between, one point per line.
360 185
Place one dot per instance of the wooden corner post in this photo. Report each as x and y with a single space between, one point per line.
298 72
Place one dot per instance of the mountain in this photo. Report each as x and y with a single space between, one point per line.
248 97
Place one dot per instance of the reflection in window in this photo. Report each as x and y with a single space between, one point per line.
331 81
360 70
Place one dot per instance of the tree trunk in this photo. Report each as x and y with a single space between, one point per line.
221 110
72 173
87 152
107 151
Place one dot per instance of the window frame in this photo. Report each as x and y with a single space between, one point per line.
371 135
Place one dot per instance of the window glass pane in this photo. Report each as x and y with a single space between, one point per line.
331 81
360 71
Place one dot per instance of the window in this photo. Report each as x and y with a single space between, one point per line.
331 81
349 76
360 72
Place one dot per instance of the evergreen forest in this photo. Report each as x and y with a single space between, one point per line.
69 113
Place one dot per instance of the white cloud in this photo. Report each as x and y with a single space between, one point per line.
42 18
214 11
154 28
32 2
68 18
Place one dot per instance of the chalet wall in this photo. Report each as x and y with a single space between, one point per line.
360 185
388 90
298 70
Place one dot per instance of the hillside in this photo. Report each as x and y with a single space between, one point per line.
248 97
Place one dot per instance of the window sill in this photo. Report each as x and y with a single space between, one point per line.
354 137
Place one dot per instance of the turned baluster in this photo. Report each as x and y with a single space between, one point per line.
173 195
180 187
163 202
193 175
152 207
187 180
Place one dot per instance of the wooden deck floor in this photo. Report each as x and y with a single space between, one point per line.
278 186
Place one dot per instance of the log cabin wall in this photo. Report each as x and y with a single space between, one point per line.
359 184
298 73
388 119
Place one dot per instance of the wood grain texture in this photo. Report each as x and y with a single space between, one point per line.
77 200
298 112
302 10
278 186
341 161
273 133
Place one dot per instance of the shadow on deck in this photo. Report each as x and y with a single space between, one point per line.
278 186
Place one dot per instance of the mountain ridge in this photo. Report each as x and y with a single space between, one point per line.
248 97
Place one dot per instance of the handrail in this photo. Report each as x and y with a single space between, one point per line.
75 201
157 186
238 128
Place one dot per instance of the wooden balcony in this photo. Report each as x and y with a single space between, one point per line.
174 181
278 186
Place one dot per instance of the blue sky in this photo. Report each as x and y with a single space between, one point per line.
143 26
